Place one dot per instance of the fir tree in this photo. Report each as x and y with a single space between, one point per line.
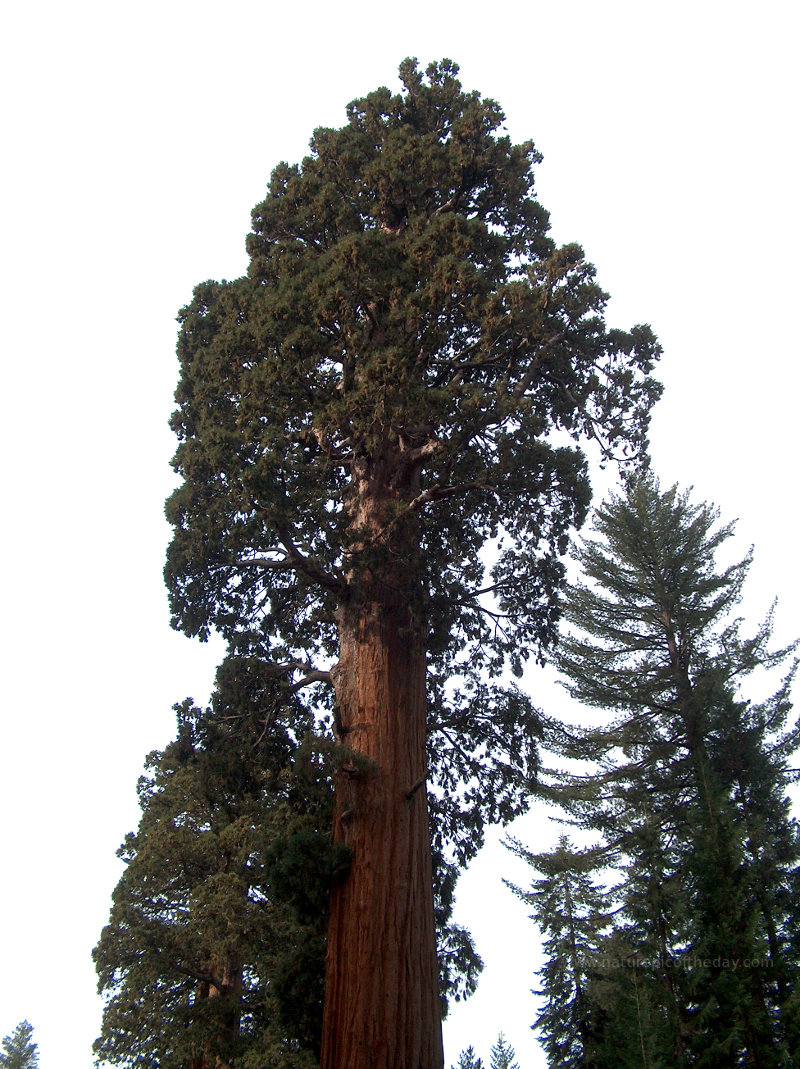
393 385
690 780
568 908
19 1051
468 1059
502 1055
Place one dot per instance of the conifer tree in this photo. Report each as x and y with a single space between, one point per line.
502 1055
631 1028
568 908
468 1059
689 787
218 923
214 951
393 385
19 1051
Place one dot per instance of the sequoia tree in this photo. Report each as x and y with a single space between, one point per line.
392 387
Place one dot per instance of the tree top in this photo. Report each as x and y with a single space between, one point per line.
407 372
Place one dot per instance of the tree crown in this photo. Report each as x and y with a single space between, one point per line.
379 394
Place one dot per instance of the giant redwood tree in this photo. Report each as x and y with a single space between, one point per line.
403 378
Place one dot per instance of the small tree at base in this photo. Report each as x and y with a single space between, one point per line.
568 909
502 1055
468 1060
19 1051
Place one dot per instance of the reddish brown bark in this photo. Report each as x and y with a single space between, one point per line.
230 977
382 1008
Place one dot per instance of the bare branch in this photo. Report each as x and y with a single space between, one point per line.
476 593
284 565
339 457
590 420
422 452
193 974
533 370
412 790
302 564
439 493
448 205
312 677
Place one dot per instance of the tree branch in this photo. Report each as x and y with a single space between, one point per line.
338 457
301 563
412 790
429 449
533 370
315 676
439 493
591 421
284 565
477 593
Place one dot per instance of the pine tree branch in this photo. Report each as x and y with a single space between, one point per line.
284 565
477 593
439 493
422 452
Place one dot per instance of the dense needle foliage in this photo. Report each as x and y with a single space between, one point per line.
687 787
407 333
215 943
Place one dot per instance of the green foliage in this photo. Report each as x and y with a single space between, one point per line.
215 944
468 1060
502 1055
687 787
569 910
19 1051
408 344
217 931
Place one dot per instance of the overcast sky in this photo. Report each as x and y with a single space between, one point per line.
136 139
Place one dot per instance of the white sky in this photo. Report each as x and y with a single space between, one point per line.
136 139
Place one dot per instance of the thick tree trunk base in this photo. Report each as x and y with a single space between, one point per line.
382 1007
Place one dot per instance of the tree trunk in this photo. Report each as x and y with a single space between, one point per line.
382 1008
229 974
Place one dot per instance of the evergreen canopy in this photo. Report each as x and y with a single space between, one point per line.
687 785
406 329
405 318
215 944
